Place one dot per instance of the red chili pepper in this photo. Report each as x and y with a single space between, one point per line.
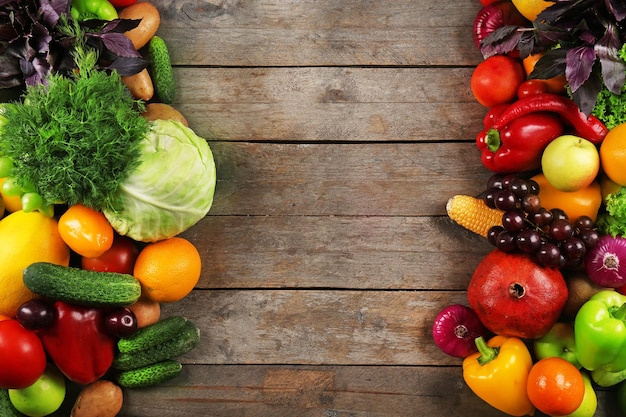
518 145
590 128
78 344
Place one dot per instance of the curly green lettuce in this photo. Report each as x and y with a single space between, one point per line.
609 107
613 220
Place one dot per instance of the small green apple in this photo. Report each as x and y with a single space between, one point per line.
590 400
43 397
570 163
559 341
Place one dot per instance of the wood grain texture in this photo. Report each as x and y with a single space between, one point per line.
319 33
330 104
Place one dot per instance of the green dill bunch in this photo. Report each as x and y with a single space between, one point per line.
75 139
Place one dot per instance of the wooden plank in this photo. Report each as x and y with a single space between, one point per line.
313 32
316 326
414 253
329 104
343 180
314 391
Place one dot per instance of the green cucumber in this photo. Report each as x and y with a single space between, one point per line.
160 70
184 341
6 407
155 334
80 286
149 375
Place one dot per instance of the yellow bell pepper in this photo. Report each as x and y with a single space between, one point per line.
498 374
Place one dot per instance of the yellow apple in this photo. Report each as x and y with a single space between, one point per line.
570 163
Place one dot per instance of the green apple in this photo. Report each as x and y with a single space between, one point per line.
559 341
590 401
570 163
43 397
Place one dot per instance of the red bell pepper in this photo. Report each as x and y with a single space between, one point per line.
517 146
77 342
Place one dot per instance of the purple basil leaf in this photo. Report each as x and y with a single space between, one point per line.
128 66
551 64
9 67
617 8
41 38
119 44
613 68
501 41
587 95
579 64
121 25
51 11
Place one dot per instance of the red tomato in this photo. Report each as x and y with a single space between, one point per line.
86 231
122 3
531 87
22 356
487 2
496 80
120 258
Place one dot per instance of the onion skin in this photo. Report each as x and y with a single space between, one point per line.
494 16
455 330
606 262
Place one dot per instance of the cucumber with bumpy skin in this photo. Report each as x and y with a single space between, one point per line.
160 70
149 375
184 341
80 286
153 335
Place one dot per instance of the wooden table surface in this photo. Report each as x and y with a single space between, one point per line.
339 129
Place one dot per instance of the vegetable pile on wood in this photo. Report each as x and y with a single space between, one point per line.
545 318
99 175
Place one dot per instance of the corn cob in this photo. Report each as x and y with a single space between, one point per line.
473 214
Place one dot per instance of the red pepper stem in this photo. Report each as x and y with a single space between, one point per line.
589 128
487 353
620 313
493 140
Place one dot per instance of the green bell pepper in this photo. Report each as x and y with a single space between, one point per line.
92 9
600 332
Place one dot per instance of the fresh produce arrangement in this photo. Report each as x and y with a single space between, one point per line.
544 325
99 176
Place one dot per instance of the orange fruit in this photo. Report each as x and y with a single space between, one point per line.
26 238
583 202
555 386
613 154
168 269
531 8
555 85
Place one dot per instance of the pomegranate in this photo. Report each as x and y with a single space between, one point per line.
514 296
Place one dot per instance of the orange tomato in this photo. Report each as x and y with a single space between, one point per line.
555 386
585 202
555 85
496 80
613 154
86 231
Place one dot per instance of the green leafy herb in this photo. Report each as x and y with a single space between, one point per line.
75 139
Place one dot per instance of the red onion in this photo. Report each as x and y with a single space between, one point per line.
606 262
455 330
494 16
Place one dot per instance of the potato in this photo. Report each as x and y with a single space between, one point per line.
150 21
140 85
156 111
147 311
99 399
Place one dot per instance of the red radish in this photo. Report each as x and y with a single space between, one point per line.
494 16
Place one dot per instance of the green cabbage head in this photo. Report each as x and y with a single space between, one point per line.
172 187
